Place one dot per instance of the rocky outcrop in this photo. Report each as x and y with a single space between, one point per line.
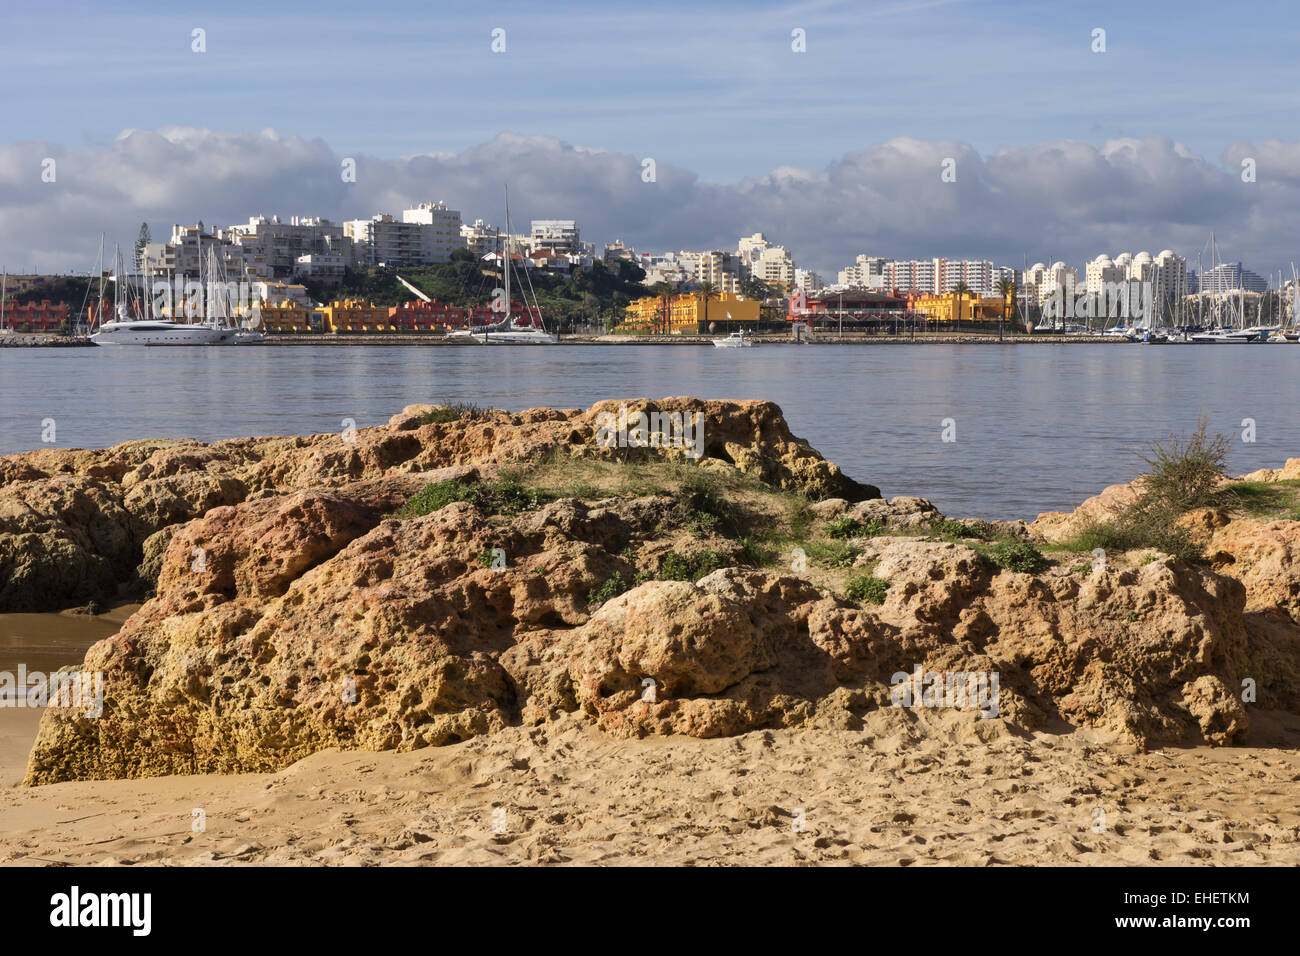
305 616
74 523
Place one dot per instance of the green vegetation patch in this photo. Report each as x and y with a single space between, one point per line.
451 413
1020 556
846 527
507 496
834 554
949 529
867 589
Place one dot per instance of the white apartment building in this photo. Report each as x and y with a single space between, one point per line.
443 235
750 248
481 238
1041 281
868 272
186 255
272 248
1231 277
775 266
383 240
554 235
925 275
808 281
1166 273
720 268
665 268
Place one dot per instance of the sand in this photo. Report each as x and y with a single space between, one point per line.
904 790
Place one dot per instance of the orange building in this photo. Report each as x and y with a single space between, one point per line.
43 316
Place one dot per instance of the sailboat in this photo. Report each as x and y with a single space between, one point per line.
4 290
505 332
143 329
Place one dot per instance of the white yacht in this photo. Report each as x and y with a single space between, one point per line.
506 332
1226 337
125 330
146 329
736 340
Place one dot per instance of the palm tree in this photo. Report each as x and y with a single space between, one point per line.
708 290
959 291
1006 289
665 292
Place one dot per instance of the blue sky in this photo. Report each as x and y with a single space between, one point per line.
1064 153
713 87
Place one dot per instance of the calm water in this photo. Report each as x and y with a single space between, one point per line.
1038 427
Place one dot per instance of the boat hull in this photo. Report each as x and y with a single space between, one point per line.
160 333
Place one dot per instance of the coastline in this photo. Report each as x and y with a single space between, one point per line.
398 341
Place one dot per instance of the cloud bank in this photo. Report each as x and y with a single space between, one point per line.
1065 200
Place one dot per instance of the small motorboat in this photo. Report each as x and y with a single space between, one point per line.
736 340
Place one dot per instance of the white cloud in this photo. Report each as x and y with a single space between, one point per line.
1061 200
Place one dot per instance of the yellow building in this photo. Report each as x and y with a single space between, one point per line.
689 314
961 307
288 318
352 315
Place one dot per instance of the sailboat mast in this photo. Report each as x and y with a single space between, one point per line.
507 264
99 308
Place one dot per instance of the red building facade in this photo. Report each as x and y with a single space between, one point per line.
43 316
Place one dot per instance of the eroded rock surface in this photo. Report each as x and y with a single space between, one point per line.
294 611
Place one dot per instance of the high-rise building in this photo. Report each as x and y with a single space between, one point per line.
924 275
808 281
1040 282
554 235
443 235
272 248
1231 277
775 266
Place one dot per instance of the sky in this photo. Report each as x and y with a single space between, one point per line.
1061 150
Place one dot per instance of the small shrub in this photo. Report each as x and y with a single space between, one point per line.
953 529
450 413
835 555
1017 556
1137 528
434 497
867 590
1185 473
504 497
753 552
846 527
612 587
705 506
677 567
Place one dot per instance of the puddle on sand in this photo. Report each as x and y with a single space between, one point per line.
43 643
46 642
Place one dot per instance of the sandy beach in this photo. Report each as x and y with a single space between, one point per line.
887 795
